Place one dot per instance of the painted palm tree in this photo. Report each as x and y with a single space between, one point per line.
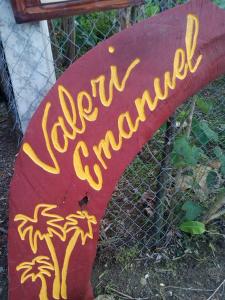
43 226
38 268
72 224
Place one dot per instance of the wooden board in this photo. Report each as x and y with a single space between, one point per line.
34 10
87 130
53 1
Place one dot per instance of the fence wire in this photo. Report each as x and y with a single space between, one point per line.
177 171
182 166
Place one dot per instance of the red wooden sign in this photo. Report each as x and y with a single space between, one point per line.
87 130
34 10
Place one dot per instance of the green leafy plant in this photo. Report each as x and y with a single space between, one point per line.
212 179
193 227
184 154
192 210
204 106
203 133
199 156
152 9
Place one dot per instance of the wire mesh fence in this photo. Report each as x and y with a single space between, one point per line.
180 170
72 37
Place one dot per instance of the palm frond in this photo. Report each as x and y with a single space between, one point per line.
44 267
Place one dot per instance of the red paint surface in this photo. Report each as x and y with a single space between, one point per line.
154 41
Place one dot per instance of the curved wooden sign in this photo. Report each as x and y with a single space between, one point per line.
87 130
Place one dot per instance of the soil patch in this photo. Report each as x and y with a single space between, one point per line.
8 149
194 272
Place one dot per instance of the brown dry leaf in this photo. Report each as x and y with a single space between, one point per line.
147 201
184 182
201 172
215 164
199 180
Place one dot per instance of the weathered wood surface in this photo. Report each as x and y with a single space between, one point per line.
34 10
87 130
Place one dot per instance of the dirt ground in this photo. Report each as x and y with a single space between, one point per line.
188 269
8 149
193 272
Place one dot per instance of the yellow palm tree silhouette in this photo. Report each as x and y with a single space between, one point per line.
43 226
38 268
72 224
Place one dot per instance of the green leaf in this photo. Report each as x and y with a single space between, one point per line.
184 154
192 209
193 227
203 132
182 115
211 179
219 154
198 133
212 135
152 10
204 106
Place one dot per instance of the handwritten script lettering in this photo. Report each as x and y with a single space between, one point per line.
75 114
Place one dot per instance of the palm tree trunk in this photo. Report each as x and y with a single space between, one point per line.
43 295
69 251
56 282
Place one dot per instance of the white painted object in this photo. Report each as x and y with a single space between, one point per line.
29 59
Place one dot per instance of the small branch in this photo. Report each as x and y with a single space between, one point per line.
216 290
188 133
190 117
187 289
125 296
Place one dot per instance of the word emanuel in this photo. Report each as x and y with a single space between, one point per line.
65 129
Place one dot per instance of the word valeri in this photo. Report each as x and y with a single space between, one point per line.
66 128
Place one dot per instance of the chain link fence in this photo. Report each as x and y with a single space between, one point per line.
180 171
72 37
